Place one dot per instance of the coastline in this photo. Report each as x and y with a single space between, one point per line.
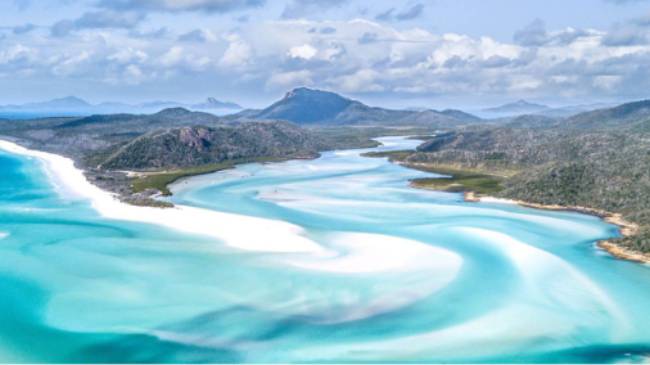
626 228
349 254
67 178
233 229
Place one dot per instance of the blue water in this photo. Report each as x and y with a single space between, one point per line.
416 276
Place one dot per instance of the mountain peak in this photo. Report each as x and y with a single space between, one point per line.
304 91
522 102
65 102
305 105
520 106
175 111
214 103
71 99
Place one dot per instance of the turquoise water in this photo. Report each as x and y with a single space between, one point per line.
408 275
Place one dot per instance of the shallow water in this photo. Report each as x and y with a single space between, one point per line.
402 275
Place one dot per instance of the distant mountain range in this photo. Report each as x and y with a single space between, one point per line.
523 107
303 106
307 106
74 106
517 108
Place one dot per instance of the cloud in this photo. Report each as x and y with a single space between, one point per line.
355 56
414 12
534 34
198 35
622 2
327 30
367 38
207 6
153 34
410 13
289 80
128 56
238 53
386 15
97 20
305 51
625 36
25 28
22 4
301 8
16 53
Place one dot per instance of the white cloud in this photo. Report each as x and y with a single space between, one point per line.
361 81
14 53
71 64
208 6
238 52
356 56
607 82
128 55
172 57
291 79
305 51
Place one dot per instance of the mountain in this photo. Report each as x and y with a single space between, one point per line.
212 103
128 123
85 136
305 106
198 145
69 102
628 115
461 115
536 121
571 110
74 106
69 105
316 107
517 107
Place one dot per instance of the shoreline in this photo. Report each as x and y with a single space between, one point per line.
626 228
349 254
232 229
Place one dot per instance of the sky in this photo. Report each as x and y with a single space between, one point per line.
411 53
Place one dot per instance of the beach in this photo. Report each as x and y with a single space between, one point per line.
234 230
626 228
245 232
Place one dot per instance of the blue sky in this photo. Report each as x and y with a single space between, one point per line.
437 53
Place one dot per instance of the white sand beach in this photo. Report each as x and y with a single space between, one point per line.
242 232
351 253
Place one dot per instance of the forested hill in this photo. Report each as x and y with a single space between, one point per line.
197 145
599 159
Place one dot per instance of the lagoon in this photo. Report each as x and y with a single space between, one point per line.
329 260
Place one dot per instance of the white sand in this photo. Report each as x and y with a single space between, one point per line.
242 232
367 253
423 270
489 199
357 253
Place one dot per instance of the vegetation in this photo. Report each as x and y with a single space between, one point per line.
597 167
161 180
342 137
392 155
462 181
422 137
455 179
197 146
598 159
